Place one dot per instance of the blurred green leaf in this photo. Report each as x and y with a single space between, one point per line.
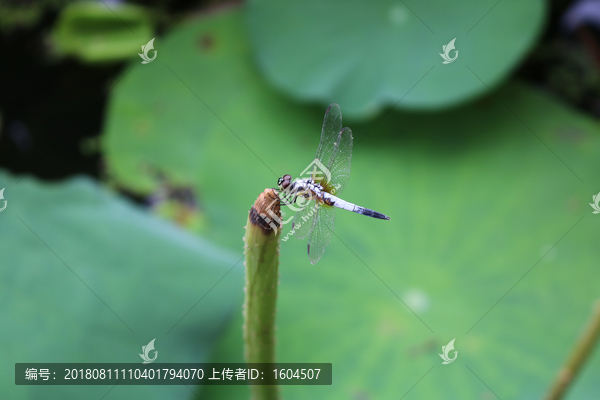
477 196
87 277
367 55
97 32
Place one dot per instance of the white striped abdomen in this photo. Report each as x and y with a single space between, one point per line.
344 205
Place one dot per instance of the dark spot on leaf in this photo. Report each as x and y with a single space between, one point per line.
206 41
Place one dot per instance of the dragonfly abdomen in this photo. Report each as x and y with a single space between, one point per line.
370 213
344 205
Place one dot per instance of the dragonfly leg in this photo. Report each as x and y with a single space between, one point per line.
285 198
286 202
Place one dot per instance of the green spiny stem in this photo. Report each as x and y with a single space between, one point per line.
582 350
262 273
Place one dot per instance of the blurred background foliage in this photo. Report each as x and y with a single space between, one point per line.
365 56
486 167
95 33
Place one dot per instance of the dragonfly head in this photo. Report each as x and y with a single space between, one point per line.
284 182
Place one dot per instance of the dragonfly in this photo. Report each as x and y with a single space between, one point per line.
316 197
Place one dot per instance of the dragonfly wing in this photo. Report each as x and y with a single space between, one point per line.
304 220
321 234
339 165
332 125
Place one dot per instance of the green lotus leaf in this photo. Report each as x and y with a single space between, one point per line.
86 277
370 55
97 32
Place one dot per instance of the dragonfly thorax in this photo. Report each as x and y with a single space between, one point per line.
289 190
301 187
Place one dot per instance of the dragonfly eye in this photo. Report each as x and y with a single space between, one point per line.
284 182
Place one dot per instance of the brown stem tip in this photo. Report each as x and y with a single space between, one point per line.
266 212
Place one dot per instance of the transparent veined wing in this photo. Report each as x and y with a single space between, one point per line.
339 165
321 233
332 125
304 220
